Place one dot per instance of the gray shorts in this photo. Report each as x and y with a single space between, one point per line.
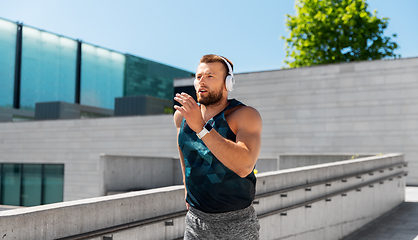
240 224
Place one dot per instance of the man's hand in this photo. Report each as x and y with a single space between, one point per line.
190 111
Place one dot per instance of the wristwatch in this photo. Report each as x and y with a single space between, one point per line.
206 129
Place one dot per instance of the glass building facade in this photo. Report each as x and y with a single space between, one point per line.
144 77
8 32
39 66
31 184
101 76
48 68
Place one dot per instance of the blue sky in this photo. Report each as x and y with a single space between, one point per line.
179 32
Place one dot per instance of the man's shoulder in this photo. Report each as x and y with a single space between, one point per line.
244 116
245 111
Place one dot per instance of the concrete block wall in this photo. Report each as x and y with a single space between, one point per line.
358 107
128 173
78 145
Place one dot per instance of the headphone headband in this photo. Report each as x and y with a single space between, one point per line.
228 65
230 80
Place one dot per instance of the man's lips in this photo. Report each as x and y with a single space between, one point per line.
202 90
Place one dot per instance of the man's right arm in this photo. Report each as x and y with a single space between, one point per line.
178 118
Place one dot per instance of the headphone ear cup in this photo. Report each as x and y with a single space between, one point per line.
195 83
229 84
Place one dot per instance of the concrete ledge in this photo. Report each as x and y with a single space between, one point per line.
75 217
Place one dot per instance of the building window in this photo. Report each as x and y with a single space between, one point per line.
31 184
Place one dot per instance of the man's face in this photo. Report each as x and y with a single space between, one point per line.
210 83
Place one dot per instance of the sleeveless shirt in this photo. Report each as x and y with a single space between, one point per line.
211 186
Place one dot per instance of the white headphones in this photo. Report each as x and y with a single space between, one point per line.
229 80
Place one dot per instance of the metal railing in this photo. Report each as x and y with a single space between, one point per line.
169 217
328 196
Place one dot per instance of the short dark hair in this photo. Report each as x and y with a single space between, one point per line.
210 58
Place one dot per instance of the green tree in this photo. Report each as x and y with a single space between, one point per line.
331 31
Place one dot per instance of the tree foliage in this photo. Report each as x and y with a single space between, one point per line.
331 31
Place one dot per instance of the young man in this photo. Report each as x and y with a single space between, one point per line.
219 144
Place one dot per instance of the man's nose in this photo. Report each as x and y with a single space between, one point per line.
202 80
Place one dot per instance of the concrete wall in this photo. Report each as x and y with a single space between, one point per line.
127 173
78 145
324 220
359 107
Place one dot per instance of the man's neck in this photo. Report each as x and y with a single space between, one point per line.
210 111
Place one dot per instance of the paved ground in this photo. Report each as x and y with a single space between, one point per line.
399 224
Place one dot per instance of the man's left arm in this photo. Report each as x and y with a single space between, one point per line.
239 156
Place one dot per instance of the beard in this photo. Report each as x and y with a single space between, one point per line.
212 98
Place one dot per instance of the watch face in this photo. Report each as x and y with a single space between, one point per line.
208 127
